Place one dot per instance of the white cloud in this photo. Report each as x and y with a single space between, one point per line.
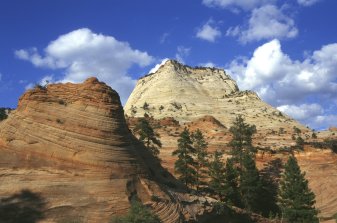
47 79
208 64
325 120
313 115
83 53
164 37
29 86
44 81
236 4
35 58
282 81
307 2
155 68
207 32
182 52
302 112
266 22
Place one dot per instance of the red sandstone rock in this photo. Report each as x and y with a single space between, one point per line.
69 146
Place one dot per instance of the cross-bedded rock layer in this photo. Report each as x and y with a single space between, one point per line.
67 152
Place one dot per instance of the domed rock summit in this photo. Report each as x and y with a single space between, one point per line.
177 96
67 155
187 94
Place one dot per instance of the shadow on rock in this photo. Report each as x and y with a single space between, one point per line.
23 207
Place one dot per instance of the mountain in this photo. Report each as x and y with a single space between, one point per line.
186 93
67 155
177 96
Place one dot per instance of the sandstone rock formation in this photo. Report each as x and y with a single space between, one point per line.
67 155
186 93
80 123
178 96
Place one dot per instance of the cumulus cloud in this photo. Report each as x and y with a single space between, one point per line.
266 22
324 120
157 66
307 2
236 4
182 53
83 53
208 32
302 112
286 83
44 81
313 115
208 64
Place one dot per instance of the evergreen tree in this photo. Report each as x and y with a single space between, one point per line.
148 136
242 139
138 213
231 178
216 172
295 198
200 146
269 176
300 142
185 162
3 114
250 183
298 139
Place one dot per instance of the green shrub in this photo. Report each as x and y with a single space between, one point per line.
3 114
146 106
138 213
155 198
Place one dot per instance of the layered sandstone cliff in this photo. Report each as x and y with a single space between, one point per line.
82 123
66 155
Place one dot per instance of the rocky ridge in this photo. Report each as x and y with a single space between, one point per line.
68 155
178 96
186 93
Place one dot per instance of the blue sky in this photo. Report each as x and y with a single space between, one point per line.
284 50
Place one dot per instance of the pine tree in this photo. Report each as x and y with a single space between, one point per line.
185 162
295 198
250 183
3 114
231 189
216 172
242 139
148 136
138 213
200 146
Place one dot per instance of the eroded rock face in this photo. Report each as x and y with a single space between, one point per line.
67 154
79 122
187 94
178 96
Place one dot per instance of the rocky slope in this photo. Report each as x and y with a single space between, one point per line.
66 155
81 123
177 96
187 94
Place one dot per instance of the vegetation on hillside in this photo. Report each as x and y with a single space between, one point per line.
201 155
234 178
3 114
237 181
148 136
138 213
296 200
185 164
